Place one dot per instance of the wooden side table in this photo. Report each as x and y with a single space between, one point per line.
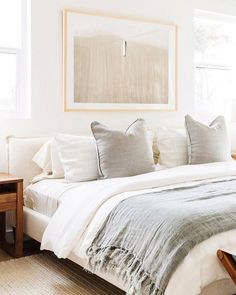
11 199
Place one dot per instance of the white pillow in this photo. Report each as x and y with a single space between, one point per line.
172 145
57 168
47 158
43 158
78 156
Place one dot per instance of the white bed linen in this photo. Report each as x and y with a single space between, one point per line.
80 215
46 195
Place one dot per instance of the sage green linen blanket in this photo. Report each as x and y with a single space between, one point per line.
145 237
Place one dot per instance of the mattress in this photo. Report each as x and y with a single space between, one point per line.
46 195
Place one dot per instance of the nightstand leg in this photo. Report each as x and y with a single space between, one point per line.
19 221
2 226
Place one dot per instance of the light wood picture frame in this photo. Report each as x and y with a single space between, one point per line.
116 63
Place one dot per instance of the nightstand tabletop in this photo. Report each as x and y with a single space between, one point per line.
8 178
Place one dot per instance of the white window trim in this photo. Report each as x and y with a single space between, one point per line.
206 15
214 16
212 66
198 66
22 109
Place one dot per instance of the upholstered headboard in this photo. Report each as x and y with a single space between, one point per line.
20 151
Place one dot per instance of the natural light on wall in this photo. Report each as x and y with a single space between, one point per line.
14 58
215 64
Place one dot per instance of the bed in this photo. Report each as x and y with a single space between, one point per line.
199 273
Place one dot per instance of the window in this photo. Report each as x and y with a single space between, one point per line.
215 63
14 62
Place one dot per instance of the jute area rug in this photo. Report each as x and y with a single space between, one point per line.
44 274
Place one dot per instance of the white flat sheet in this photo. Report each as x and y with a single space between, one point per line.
70 233
46 195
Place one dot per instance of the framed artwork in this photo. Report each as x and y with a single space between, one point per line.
115 63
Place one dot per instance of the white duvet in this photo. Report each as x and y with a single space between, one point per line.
84 209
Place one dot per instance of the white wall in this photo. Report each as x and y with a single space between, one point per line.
47 107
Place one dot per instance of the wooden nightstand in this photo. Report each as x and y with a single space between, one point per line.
11 199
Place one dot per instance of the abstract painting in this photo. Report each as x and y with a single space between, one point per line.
116 63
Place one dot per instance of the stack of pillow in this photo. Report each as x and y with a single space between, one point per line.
197 144
106 154
112 153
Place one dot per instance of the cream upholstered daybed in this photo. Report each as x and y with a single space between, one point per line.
20 152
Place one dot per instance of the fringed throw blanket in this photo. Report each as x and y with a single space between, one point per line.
145 237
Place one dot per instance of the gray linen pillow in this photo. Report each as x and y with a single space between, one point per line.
207 144
122 154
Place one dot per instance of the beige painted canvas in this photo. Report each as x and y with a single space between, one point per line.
108 69
115 63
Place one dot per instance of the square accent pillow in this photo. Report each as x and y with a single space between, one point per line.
122 154
172 145
207 144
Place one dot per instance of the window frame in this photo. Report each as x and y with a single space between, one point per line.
217 17
22 107
212 16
